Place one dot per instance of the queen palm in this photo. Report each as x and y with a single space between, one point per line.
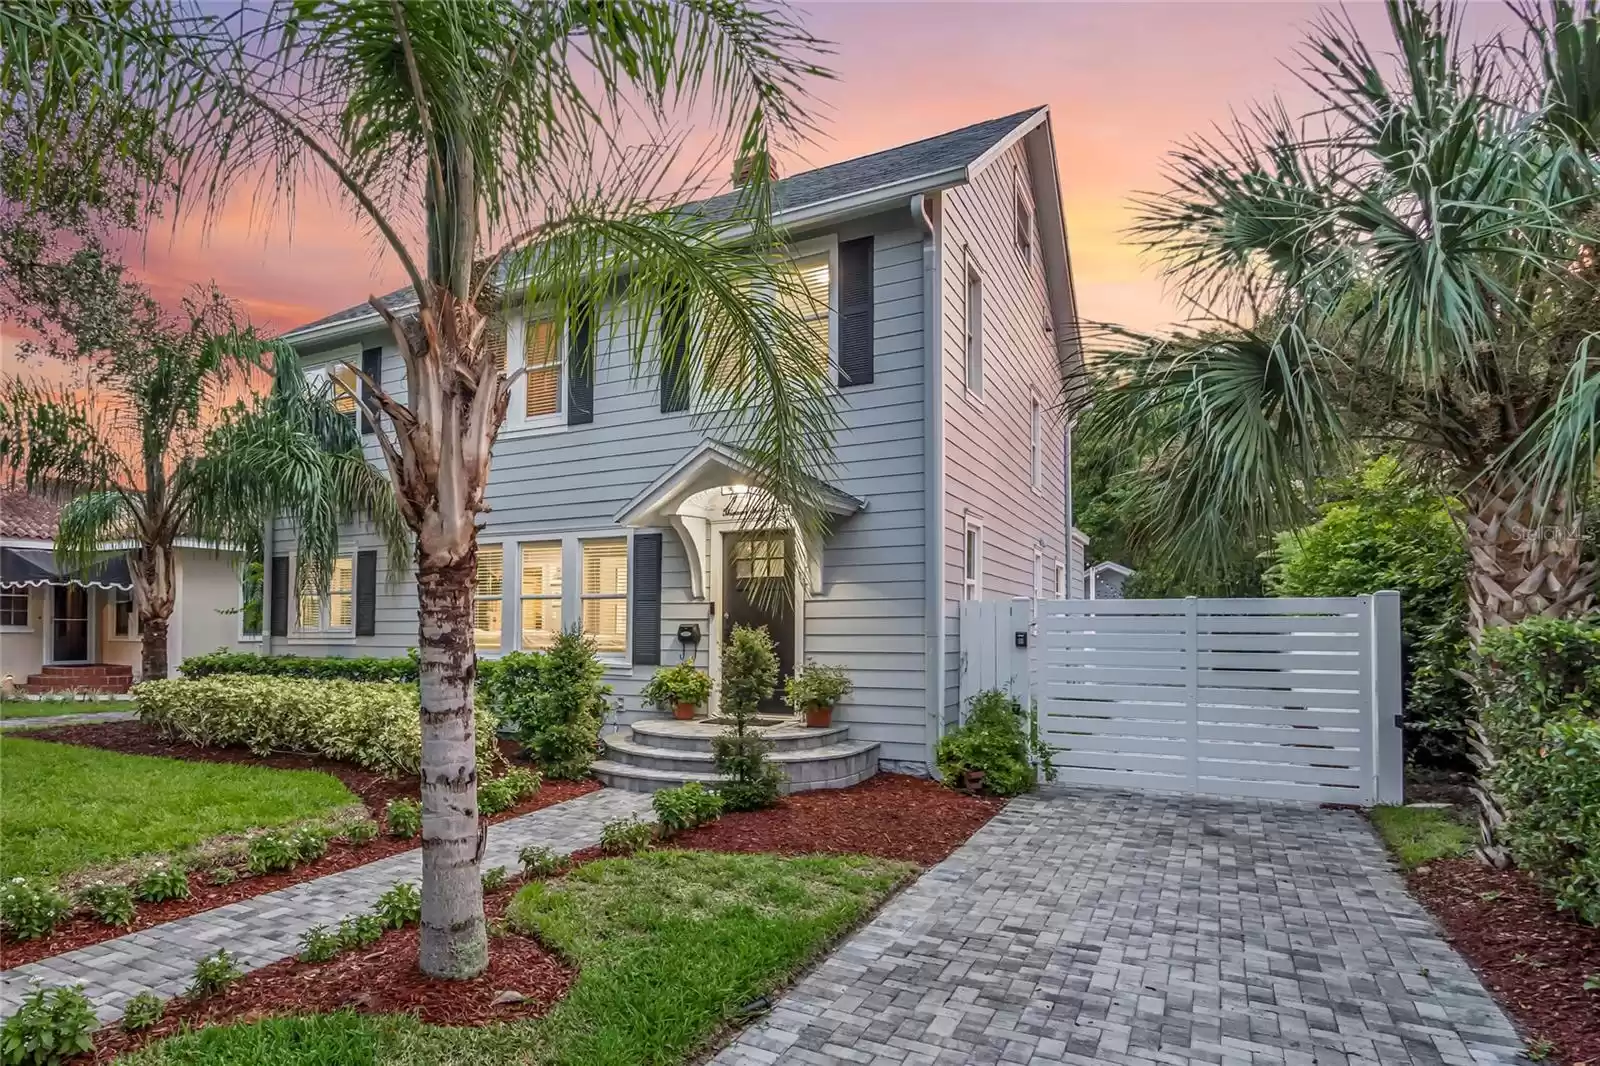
485 147
1411 268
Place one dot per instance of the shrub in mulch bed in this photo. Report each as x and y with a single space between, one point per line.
1533 957
379 979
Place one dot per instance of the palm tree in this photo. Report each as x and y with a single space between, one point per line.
160 437
483 144
1411 268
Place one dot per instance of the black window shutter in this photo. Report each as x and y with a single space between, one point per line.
646 582
855 312
366 593
674 370
278 580
372 367
580 370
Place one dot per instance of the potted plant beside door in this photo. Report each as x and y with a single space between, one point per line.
681 687
815 689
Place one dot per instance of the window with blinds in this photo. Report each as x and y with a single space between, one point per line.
344 389
541 355
341 594
605 593
494 339
487 604
541 594
809 298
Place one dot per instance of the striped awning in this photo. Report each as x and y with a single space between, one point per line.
29 567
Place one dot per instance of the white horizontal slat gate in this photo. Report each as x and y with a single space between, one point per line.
1278 698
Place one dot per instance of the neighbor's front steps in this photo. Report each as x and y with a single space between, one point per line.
263 929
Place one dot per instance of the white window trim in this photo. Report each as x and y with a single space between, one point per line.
324 633
1038 572
1061 580
517 423
1036 441
132 636
1022 203
971 586
571 543
522 596
27 627
322 375
972 332
509 557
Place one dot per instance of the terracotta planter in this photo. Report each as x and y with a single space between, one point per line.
972 779
683 712
819 717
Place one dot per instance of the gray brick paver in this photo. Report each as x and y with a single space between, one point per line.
266 928
1086 926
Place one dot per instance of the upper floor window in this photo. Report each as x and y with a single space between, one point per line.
1023 217
537 395
333 610
972 561
14 608
605 593
1036 443
810 299
488 597
338 383
974 331
541 594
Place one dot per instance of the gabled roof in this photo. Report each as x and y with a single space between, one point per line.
706 465
887 176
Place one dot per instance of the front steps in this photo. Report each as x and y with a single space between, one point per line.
92 677
661 753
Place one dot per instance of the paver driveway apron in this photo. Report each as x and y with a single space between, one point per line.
1093 926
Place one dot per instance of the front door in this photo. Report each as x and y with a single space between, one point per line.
69 624
758 590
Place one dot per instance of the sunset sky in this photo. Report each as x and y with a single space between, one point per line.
1123 80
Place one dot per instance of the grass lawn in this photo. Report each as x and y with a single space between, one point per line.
670 946
1420 835
47 708
68 807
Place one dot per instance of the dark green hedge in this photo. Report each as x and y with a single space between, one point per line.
326 668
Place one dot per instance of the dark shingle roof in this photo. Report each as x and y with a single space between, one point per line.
924 158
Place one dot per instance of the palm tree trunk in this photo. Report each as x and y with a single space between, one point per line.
1525 563
154 582
454 939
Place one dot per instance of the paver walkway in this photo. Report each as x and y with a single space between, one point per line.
89 718
1098 927
266 928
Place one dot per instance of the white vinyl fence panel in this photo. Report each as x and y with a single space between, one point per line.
1277 698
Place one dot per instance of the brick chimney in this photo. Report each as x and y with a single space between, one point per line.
744 169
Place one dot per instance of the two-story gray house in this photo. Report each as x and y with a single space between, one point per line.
952 324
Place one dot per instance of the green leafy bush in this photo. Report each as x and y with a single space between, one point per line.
625 836
681 683
749 676
362 832
360 931
495 879
110 903
309 842
375 726
163 881
317 944
213 974
815 685
143 1011
506 791
399 907
684 807
554 701
271 853
29 910
1538 684
994 741
540 861
317 668
403 817
51 1026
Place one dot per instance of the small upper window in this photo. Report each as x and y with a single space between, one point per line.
1024 219
541 355
1036 443
974 332
14 608
809 299
972 565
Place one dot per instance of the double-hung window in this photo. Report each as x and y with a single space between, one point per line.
604 595
14 609
810 298
1036 443
540 594
972 560
124 619
974 331
488 597
332 611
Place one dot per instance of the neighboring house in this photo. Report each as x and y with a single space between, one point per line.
1105 581
62 630
941 268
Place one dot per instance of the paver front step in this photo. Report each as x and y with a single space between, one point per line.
630 751
642 779
698 734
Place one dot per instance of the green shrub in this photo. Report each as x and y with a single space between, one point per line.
143 1011
540 861
682 683
360 931
685 807
162 882
506 791
749 676
223 875
271 853
317 668
625 836
362 832
29 910
318 945
309 842
495 879
1538 684
399 907
554 701
403 817
815 685
51 1026
996 740
109 903
213 974
375 726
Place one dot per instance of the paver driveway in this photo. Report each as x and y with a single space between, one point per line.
1091 926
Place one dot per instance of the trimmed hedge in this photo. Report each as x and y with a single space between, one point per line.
376 726
1538 683
322 668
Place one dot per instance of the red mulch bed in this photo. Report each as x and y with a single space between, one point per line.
381 979
1533 957
374 789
